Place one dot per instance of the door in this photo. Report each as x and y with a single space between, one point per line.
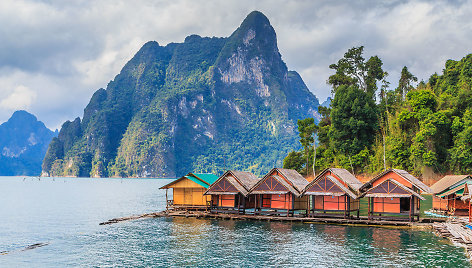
188 196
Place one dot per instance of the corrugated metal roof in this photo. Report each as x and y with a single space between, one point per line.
197 181
208 178
202 179
458 190
446 182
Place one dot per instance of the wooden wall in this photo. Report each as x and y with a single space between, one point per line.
328 202
388 205
189 193
440 203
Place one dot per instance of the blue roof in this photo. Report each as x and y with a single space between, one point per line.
203 179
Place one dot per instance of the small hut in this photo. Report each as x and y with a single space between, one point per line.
229 194
188 191
467 198
279 193
447 194
394 194
334 192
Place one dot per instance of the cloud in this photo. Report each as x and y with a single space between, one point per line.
20 98
63 51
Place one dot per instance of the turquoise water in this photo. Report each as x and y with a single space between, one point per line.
66 212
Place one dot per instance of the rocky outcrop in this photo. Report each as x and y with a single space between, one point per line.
205 105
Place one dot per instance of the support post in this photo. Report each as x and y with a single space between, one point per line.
370 209
469 211
167 201
288 209
293 205
347 207
454 204
411 207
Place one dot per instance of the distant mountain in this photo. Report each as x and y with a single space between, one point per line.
327 102
205 105
23 144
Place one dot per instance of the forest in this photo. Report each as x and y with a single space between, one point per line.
424 127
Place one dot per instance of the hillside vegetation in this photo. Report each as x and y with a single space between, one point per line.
425 127
204 105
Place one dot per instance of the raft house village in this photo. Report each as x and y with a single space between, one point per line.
393 195
333 196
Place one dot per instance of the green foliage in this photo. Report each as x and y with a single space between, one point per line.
405 84
354 120
352 70
184 108
419 129
294 160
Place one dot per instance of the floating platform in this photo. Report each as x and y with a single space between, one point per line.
457 232
424 222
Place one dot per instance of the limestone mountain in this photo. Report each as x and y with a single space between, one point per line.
204 105
23 144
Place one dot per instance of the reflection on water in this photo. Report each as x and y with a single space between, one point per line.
66 215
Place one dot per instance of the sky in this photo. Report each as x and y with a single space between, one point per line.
55 54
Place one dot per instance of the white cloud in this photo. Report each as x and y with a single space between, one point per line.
63 51
20 98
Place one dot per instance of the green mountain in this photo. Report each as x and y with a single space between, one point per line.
23 144
205 105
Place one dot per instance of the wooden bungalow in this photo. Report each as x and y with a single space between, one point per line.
230 193
334 192
467 198
447 194
394 193
279 193
187 192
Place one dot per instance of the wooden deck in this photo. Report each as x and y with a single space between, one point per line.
206 215
457 232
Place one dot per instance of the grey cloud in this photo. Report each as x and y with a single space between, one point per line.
61 51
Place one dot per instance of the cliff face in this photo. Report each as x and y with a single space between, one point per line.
23 144
205 105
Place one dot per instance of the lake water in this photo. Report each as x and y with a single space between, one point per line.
66 212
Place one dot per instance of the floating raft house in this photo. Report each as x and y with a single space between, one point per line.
448 194
230 193
334 192
395 194
188 191
279 193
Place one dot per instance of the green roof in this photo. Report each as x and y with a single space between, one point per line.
458 190
203 179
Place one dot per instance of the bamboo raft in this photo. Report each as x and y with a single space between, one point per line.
457 233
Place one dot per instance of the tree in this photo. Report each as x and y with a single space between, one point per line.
294 160
352 69
405 84
307 130
354 120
